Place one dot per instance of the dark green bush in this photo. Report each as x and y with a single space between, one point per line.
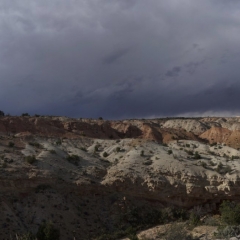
105 154
228 232
42 187
203 164
26 236
170 152
30 159
47 231
148 162
230 213
74 159
219 167
58 142
11 144
83 149
194 219
25 115
197 155
189 152
118 149
223 170
96 148
35 144
176 231
133 237
213 144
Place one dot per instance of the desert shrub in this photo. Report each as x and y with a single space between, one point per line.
187 145
35 144
47 231
96 148
165 145
230 213
203 164
172 214
4 165
212 153
227 169
105 154
235 157
189 152
213 144
30 159
2 114
147 162
142 216
83 149
42 187
118 149
180 214
219 167
52 151
170 151
212 163
83 134
228 232
74 159
26 236
25 115
211 221
58 142
142 153
11 144
223 170
194 219
133 237
130 232
197 155
176 231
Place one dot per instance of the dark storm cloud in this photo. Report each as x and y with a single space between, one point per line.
120 58
113 57
191 67
174 72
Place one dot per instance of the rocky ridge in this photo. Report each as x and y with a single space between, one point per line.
86 173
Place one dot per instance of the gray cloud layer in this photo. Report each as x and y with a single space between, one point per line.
120 58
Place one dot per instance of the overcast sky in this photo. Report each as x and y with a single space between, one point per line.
120 58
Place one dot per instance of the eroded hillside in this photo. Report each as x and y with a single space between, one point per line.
89 176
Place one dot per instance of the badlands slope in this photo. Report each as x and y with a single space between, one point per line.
89 174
